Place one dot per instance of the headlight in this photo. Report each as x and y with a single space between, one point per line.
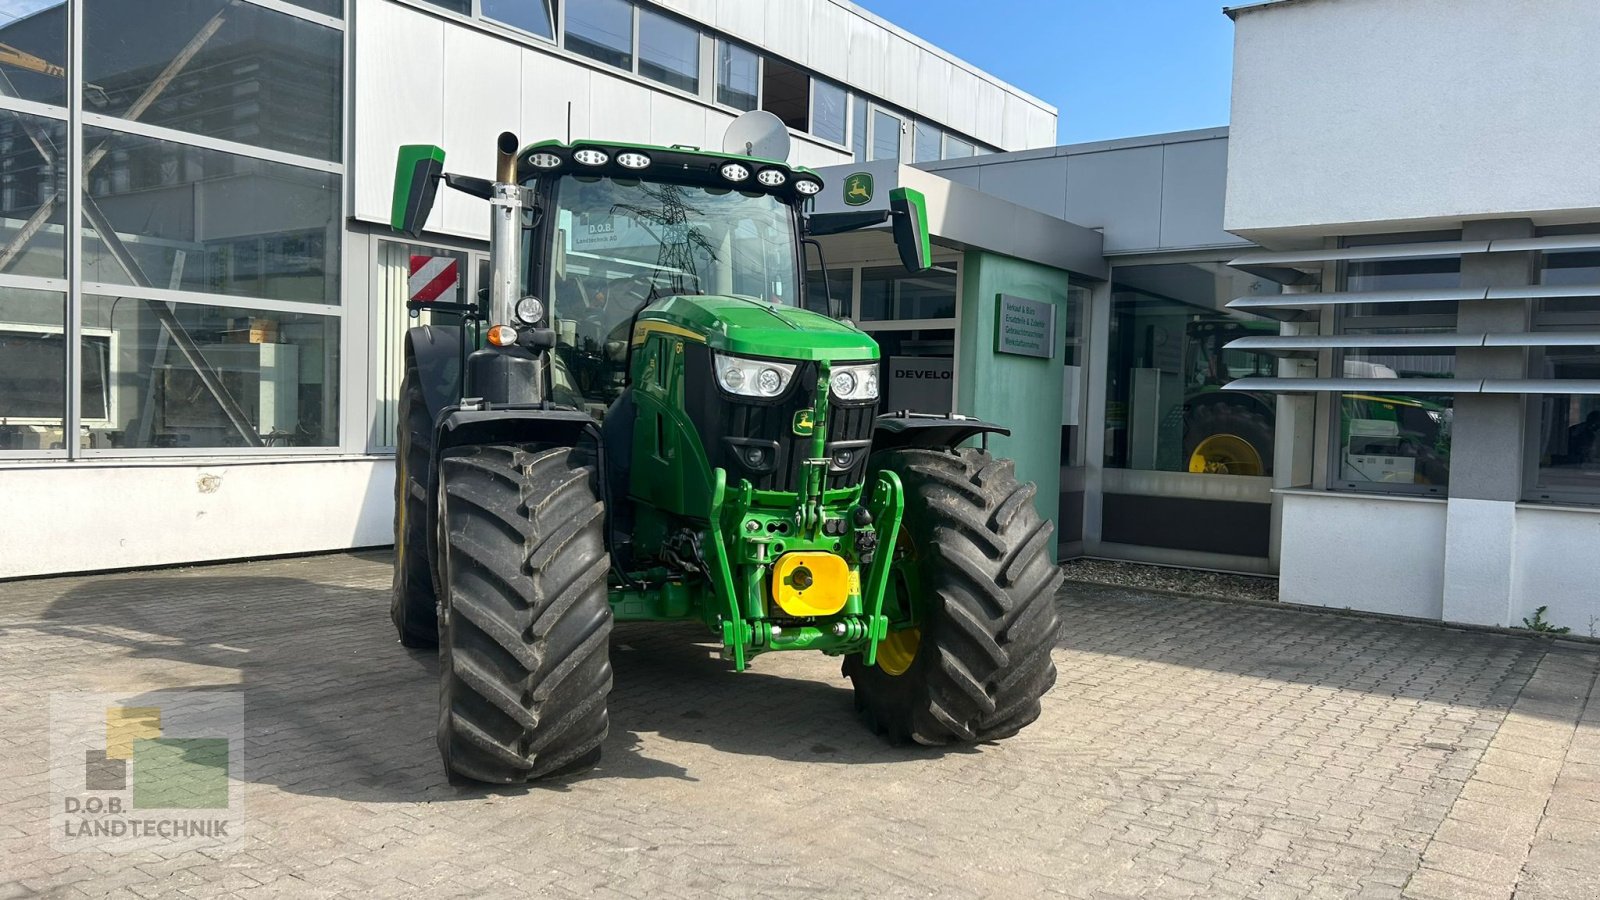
631 160
807 186
855 382
529 310
545 161
735 172
752 377
591 157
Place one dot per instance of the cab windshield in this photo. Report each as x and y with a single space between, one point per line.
620 245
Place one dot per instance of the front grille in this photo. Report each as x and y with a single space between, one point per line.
730 428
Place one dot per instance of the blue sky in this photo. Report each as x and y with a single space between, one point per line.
1114 68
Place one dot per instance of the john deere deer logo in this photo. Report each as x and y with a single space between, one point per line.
858 189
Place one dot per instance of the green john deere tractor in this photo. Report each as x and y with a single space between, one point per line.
641 421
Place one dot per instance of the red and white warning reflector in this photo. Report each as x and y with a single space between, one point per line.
434 278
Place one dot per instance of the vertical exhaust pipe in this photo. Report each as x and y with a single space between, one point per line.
505 163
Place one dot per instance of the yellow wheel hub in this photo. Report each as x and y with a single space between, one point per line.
1225 454
897 651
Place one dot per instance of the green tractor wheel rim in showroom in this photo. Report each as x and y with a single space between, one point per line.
640 421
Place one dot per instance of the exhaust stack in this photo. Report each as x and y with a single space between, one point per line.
505 164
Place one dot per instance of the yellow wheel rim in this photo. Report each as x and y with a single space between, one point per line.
897 651
1225 454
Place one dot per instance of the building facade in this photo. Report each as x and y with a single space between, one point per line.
200 302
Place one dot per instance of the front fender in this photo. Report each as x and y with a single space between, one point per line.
900 430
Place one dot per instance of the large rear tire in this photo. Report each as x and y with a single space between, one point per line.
414 605
524 667
973 584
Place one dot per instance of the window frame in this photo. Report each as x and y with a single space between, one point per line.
1543 321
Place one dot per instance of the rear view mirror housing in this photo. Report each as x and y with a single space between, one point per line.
417 170
908 211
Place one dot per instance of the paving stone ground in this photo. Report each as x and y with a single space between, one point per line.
1190 748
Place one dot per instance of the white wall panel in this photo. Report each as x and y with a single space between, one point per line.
549 85
675 121
744 19
483 91
1361 551
962 111
1372 111
900 86
619 109
393 40
933 87
1014 125
1118 191
991 115
1041 128
787 30
830 39
1193 181
869 56
84 517
1556 549
1039 184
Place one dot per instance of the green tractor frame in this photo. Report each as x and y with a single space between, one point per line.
642 422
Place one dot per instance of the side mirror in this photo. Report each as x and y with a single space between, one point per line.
417 171
909 211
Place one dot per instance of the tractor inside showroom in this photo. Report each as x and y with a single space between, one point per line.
643 421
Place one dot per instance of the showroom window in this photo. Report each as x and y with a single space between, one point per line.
204 313
1166 409
927 142
885 135
1567 426
829 111
601 30
892 293
669 51
532 16
256 76
738 76
786 93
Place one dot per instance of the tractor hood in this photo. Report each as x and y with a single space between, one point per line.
755 328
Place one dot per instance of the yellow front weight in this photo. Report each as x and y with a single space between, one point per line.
809 583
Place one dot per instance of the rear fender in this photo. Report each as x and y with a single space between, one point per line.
900 430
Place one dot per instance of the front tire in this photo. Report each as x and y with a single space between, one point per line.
974 582
414 602
524 665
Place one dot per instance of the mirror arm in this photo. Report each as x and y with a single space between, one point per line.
834 310
482 188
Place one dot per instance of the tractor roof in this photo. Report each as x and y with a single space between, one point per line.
689 165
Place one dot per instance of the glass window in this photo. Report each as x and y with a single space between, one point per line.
893 293
956 148
188 376
532 16
917 370
786 93
829 111
1166 409
208 221
261 77
464 7
1573 270
33 370
1569 425
885 135
33 183
1394 439
839 285
601 30
35 34
858 129
404 270
669 51
624 244
927 143
737 76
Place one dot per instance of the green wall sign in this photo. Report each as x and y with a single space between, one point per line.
1024 327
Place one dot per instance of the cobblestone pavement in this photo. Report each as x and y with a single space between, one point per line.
1190 748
